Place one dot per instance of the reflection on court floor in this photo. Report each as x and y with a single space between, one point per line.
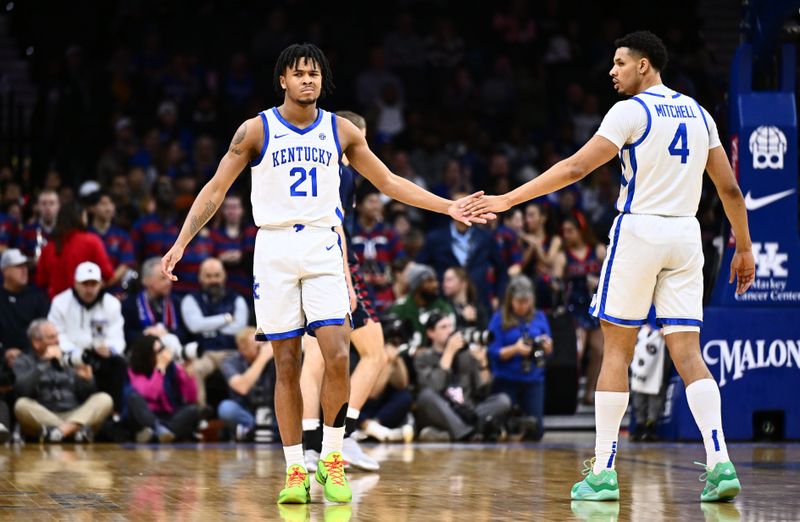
437 482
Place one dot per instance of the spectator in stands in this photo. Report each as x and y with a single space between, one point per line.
56 401
460 293
34 236
375 244
508 240
162 403
234 241
422 297
152 310
400 269
20 304
90 323
542 261
250 374
521 342
454 382
582 274
214 315
9 230
117 241
154 233
471 248
383 417
70 245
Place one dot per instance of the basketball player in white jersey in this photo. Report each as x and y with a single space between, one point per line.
299 283
664 141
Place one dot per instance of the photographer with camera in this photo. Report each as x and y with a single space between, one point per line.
250 374
56 401
454 382
91 327
521 344
162 401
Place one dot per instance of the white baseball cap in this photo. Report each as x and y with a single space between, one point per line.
12 257
87 271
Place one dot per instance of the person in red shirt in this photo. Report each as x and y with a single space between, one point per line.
70 245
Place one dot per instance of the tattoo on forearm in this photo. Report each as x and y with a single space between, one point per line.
238 138
196 222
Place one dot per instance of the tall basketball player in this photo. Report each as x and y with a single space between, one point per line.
665 141
299 284
367 337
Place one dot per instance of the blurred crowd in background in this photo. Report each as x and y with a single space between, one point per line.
137 103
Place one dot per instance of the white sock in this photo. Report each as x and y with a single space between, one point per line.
331 440
310 424
609 408
294 455
706 405
353 413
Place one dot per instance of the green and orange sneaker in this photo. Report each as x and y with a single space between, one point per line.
722 483
600 486
330 475
297 487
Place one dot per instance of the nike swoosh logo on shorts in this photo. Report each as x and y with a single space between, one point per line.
328 248
752 203
276 136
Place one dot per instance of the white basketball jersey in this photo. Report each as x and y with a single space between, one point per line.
295 181
664 138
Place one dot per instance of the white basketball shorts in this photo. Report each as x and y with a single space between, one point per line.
652 259
299 283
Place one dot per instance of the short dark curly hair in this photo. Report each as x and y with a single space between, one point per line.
308 51
647 45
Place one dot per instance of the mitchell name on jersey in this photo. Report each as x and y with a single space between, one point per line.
663 139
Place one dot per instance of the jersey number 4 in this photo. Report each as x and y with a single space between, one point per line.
294 191
680 144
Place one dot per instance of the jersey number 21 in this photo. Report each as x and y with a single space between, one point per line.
294 191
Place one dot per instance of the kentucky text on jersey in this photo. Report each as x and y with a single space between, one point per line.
674 111
291 154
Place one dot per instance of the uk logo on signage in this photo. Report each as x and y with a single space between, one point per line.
768 147
771 262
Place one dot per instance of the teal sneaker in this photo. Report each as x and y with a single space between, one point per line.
600 486
722 483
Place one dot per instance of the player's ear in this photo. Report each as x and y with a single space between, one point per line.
282 79
644 65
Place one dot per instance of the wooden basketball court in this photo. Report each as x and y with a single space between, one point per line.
437 482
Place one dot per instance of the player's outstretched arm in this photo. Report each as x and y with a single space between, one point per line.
742 265
596 152
245 143
367 164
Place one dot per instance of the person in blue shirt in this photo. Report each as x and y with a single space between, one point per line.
521 341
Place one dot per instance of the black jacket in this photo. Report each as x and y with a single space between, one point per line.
17 311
